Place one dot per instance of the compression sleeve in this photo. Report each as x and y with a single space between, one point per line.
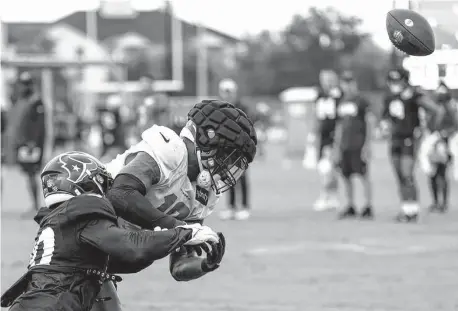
136 249
127 196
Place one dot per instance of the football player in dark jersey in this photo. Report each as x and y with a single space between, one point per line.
26 133
353 144
80 245
436 159
321 139
401 117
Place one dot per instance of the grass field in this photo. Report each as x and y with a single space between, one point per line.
288 257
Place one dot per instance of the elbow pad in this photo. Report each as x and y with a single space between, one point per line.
127 197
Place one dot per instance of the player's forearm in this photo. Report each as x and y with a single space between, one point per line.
138 249
130 203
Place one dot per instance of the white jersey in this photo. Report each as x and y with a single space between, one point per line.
174 194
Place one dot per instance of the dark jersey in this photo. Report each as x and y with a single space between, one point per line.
403 111
449 124
326 111
57 241
26 121
76 238
112 129
352 118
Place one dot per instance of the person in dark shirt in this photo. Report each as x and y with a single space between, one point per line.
228 91
353 144
401 119
79 244
26 132
439 156
112 127
321 140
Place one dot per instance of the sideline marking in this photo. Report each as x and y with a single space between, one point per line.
374 249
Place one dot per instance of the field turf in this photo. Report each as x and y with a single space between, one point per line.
288 257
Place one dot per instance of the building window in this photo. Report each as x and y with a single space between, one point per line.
442 68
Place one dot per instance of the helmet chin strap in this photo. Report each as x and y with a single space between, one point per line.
204 178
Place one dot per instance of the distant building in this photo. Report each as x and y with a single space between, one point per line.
146 40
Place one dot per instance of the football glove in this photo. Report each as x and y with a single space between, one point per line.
215 254
200 234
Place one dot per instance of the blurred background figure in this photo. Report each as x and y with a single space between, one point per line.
112 127
25 133
321 141
441 155
228 91
178 123
262 124
154 107
353 144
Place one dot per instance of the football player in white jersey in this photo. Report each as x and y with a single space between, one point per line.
166 180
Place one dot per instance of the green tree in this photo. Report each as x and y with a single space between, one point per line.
295 56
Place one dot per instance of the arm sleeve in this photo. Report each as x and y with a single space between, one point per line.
185 265
134 249
437 113
127 194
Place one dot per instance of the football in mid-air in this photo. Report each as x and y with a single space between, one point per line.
410 32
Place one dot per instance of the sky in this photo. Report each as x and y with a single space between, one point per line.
235 17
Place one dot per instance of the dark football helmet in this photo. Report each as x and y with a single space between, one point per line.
443 93
398 80
71 174
225 141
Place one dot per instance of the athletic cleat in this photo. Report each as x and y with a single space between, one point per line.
434 208
226 214
367 213
242 215
348 212
443 208
333 202
404 218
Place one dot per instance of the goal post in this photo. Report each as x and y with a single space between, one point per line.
46 66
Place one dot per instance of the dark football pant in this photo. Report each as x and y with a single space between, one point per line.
352 163
244 188
403 156
439 181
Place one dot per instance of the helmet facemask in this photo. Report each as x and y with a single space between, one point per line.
223 167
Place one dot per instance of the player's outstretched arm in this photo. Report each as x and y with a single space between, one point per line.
127 194
186 263
437 112
130 250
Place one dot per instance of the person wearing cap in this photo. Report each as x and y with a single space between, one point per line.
401 120
435 159
25 133
353 145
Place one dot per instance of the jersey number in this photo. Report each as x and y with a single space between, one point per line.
43 248
326 109
178 210
396 110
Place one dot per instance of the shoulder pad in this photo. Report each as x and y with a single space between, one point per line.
165 146
89 206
